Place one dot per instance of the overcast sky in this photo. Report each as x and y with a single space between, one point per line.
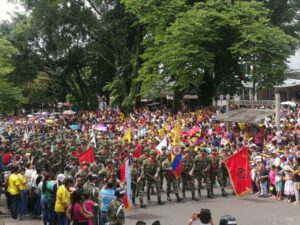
6 8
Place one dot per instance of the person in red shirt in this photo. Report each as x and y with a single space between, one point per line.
7 157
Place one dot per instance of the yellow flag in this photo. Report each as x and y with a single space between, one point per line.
127 136
176 138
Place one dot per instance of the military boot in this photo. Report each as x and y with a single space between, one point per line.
168 196
194 197
159 201
199 193
183 194
133 201
209 194
224 194
178 198
142 205
212 193
148 198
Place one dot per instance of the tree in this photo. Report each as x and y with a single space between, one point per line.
10 97
207 44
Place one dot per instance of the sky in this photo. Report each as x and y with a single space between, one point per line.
6 8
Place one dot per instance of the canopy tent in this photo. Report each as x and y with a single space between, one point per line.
255 116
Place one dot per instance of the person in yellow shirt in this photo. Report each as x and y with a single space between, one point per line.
62 202
23 193
14 191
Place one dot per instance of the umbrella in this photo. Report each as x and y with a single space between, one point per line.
69 112
45 113
289 103
75 127
100 127
50 121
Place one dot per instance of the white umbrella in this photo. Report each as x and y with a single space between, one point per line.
289 103
69 112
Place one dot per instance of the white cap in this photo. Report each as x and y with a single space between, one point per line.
60 177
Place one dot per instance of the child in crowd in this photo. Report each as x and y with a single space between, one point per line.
278 183
289 185
272 175
88 204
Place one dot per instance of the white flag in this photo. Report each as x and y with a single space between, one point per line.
26 136
161 144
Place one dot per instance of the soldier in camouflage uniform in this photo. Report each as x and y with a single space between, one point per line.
201 169
150 170
116 211
142 179
216 172
82 174
90 188
135 174
187 179
170 177
160 158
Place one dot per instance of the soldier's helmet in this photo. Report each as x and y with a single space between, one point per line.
92 176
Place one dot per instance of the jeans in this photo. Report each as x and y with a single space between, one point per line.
61 218
46 203
264 187
15 202
103 218
24 203
37 209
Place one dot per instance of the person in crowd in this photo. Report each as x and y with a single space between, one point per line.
204 216
14 192
88 205
45 188
116 211
296 180
23 193
76 212
62 202
107 195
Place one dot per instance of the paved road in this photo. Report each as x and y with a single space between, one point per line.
248 210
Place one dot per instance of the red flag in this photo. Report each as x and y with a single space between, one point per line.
87 155
239 171
137 151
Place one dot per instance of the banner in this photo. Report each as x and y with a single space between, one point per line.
137 151
239 171
125 177
87 155
127 136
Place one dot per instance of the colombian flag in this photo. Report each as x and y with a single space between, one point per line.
125 177
176 152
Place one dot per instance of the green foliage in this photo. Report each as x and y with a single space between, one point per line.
10 97
6 53
206 45
86 48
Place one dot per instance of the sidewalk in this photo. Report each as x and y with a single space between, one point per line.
5 218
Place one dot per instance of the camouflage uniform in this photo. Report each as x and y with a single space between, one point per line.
187 179
116 212
202 170
134 179
150 170
160 158
170 178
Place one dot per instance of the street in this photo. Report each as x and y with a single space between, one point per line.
248 210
